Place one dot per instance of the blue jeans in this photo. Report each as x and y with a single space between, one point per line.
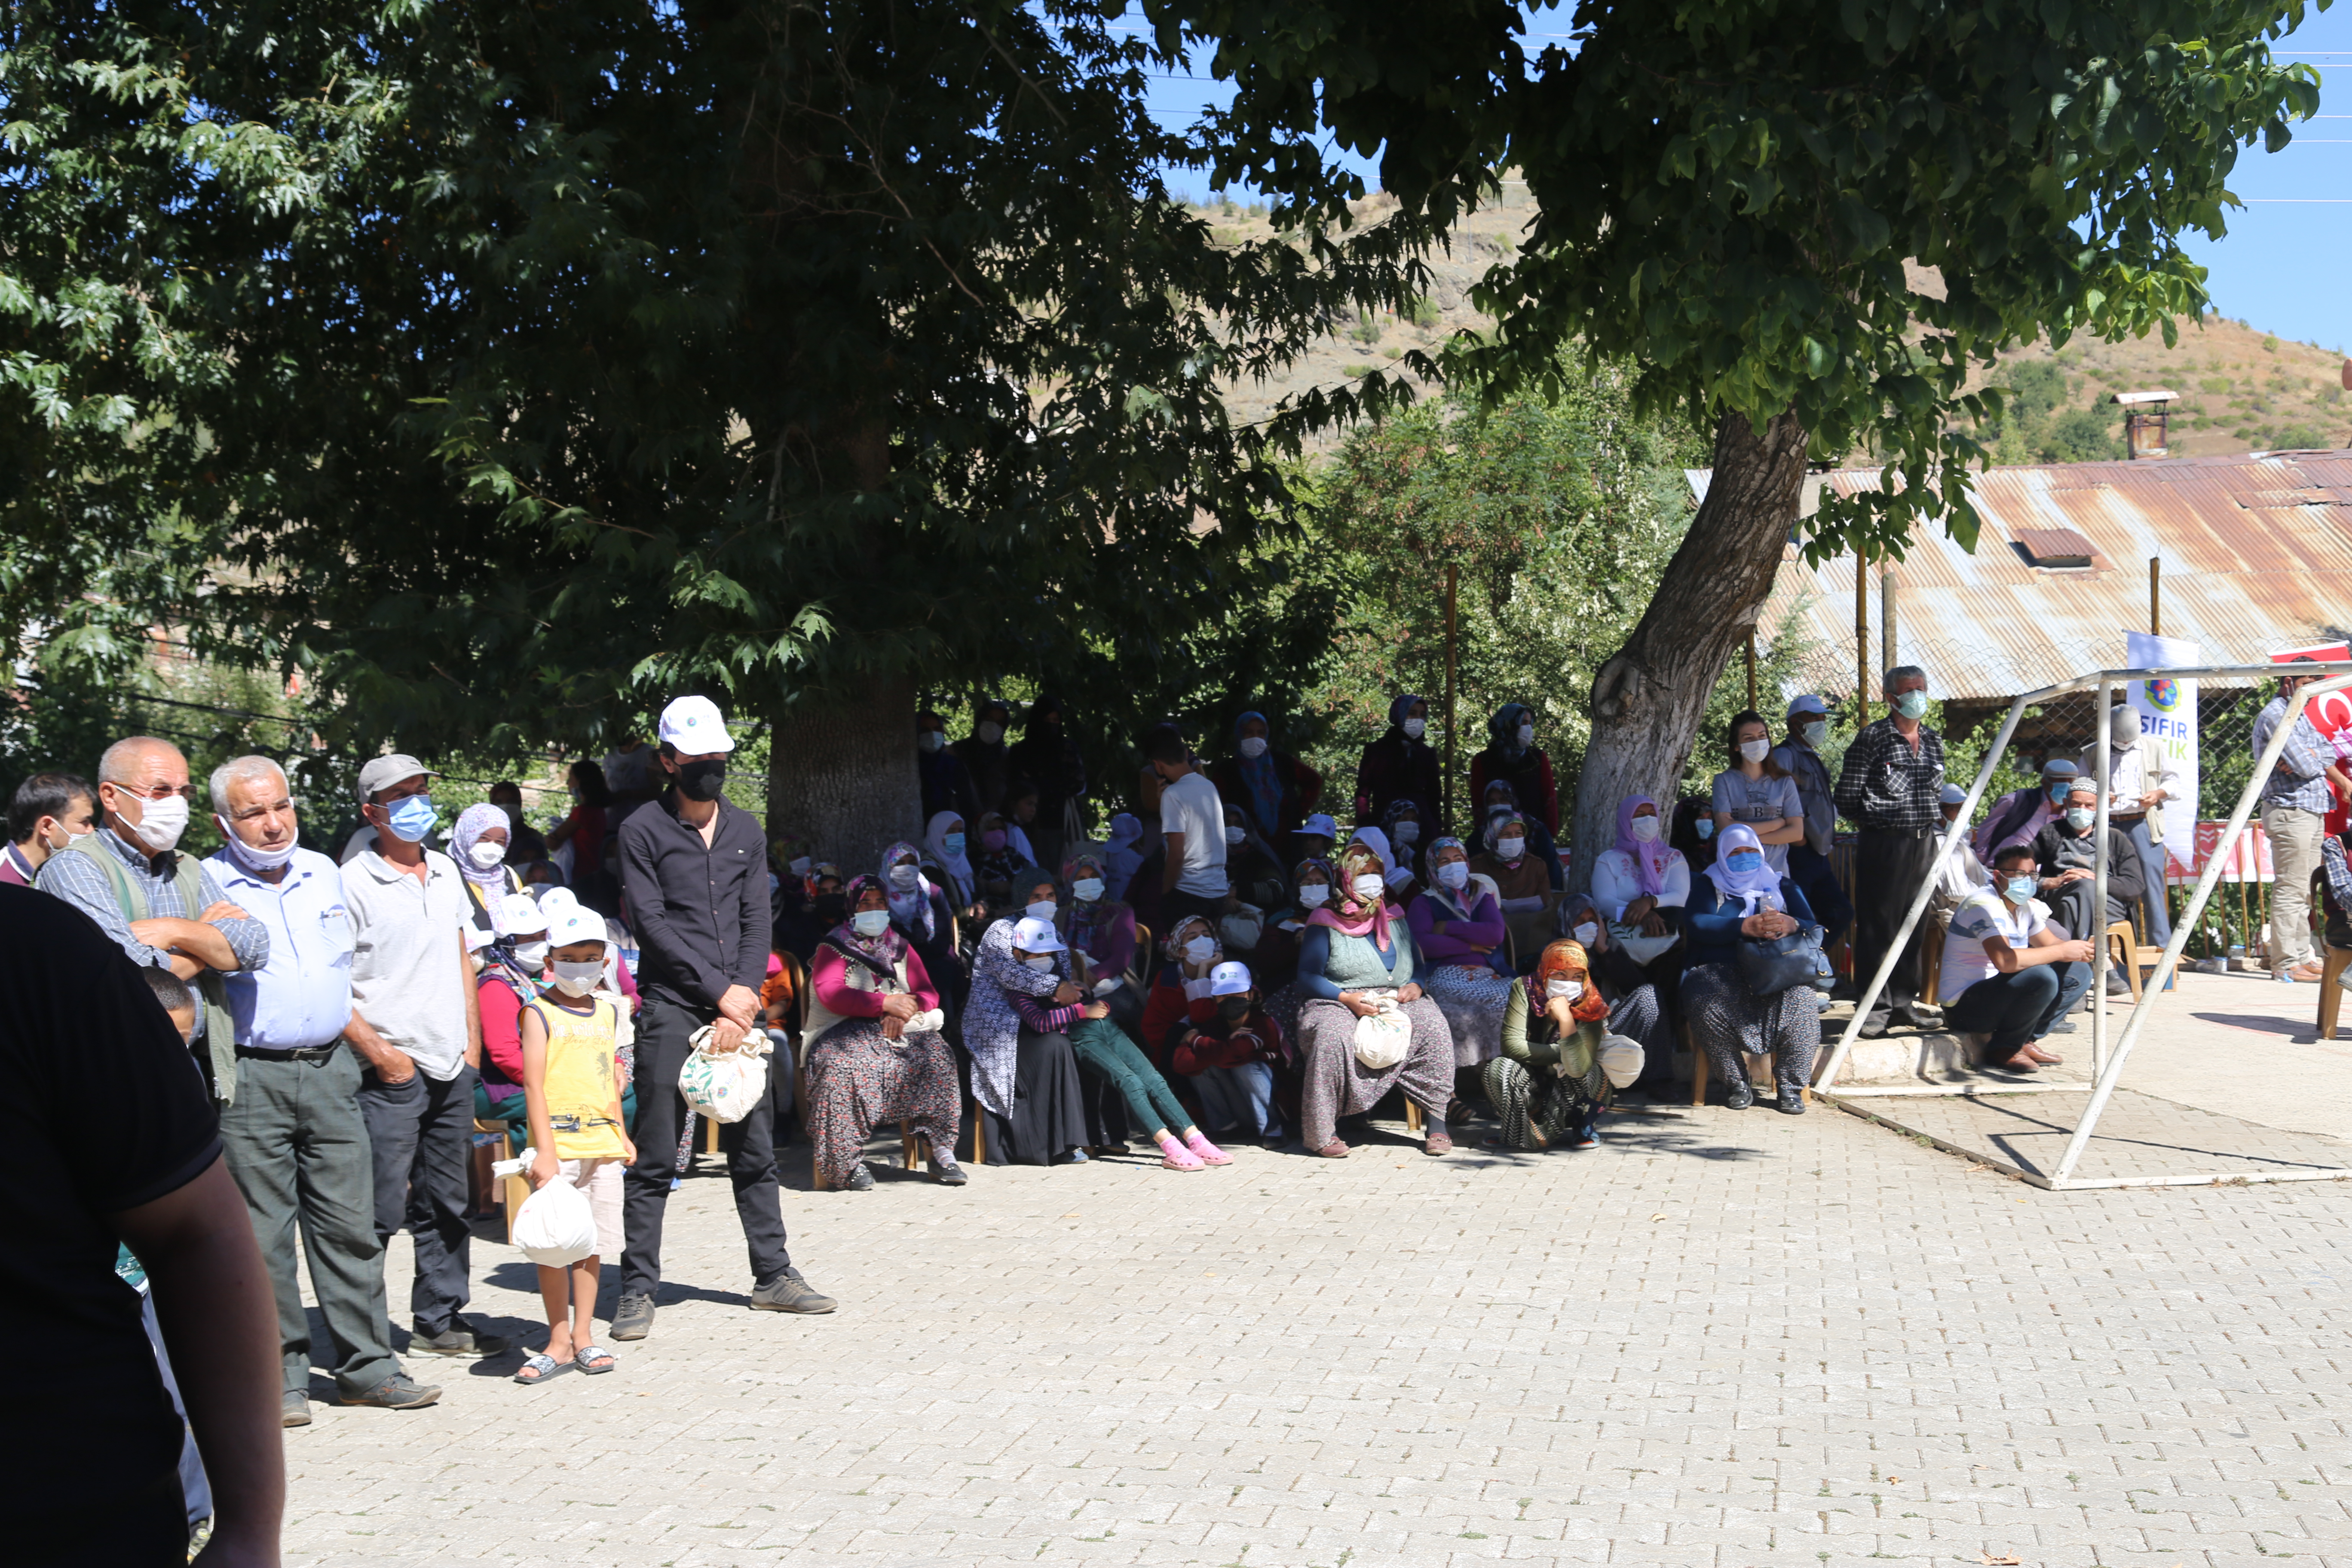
1240 1096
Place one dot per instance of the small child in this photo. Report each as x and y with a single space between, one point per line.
1236 1058
177 1000
569 1039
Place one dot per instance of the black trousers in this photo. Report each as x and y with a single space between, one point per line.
1887 870
421 1142
2017 1009
663 1027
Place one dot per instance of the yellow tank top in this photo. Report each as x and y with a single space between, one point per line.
581 1086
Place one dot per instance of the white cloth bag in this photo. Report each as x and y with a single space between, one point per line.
1382 1038
725 1087
555 1226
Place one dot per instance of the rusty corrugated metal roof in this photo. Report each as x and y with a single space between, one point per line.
2256 552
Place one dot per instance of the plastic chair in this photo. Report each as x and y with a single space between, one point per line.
2332 964
2123 947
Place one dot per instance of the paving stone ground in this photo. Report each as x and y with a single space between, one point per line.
1730 1339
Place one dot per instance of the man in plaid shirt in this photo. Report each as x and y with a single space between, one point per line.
2295 800
1891 787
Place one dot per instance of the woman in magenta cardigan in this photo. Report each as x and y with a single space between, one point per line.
1459 930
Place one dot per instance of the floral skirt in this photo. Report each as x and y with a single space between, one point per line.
858 1082
1474 1001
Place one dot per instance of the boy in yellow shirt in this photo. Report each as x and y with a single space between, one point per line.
574 1099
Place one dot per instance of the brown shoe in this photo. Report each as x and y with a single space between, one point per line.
2047 1058
1334 1150
2020 1062
2309 973
1437 1143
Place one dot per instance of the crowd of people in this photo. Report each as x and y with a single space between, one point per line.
1225 964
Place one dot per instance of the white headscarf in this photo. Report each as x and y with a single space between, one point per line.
957 866
496 884
1758 890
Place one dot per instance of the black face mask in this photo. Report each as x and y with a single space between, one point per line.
831 910
1234 1009
702 780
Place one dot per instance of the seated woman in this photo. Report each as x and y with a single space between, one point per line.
1404 829
1277 946
997 866
1499 797
1638 1001
947 865
1560 1061
1026 1081
1104 1049
1459 934
1693 831
1402 883
509 977
1642 884
1097 924
1357 960
1739 897
1180 991
875 1051
1529 899
921 913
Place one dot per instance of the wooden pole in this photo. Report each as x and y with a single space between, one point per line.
1861 637
2156 595
1889 648
1453 577
1751 669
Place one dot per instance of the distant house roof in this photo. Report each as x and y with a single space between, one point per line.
2257 554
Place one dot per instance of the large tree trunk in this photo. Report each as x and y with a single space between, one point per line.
841 773
1647 701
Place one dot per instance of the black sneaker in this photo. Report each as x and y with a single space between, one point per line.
1791 1102
635 1320
861 1180
1739 1098
788 1292
947 1173
457 1339
295 1410
398 1392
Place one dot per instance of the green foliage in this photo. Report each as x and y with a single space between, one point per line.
503 369
2082 435
1728 191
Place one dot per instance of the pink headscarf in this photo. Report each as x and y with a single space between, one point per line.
1346 913
1652 860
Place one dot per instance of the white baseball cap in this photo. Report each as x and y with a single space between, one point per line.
1955 795
1319 823
692 728
1808 703
568 923
1229 980
1031 934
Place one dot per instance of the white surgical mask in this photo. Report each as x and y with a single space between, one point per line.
1645 829
1413 727
1586 932
1315 895
1252 747
250 857
1087 888
161 822
1368 887
1815 732
1564 990
1043 910
988 733
1408 832
870 922
904 878
931 739
1236 835
532 956
1201 948
2081 816
486 854
1042 964
578 979
1755 750
1454 874
1527 734
1510 848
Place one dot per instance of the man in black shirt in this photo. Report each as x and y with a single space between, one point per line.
1891 787
694 867
92 1439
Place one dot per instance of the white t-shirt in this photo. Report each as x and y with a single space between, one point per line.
1974 923
1193 807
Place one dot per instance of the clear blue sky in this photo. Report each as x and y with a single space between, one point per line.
2271 270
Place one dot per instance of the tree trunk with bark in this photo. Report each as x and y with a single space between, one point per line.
842 773
1648 699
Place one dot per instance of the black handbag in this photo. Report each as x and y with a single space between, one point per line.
1784 962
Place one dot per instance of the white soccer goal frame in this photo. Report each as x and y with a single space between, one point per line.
2107 1066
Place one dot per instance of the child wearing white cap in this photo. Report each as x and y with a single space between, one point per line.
1235 1060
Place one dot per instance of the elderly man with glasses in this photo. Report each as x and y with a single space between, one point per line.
161 907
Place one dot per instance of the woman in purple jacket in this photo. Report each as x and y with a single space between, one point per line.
1459 930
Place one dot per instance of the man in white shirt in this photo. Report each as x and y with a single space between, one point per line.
1192 825
2008 975
2140 779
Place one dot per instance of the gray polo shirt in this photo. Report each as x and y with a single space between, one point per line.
407 980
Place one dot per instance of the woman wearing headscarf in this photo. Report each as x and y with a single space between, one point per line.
1180 987
1102 928
946 856
1529 899
1693 831
1049 754
479 845
874 1046
1122 853
1558 1058
1458 932
1274 788
1642 883
1026 1081
983 752
1401 765
1741 898
1357 960
1638 997
1499 800
510 976
1512 755
1402 883
999 863
1277 948
921 913
1407 840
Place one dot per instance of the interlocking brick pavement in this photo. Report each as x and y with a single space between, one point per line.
1734 1340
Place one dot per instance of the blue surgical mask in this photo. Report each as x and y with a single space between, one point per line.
871 922
412 818
2081 816
1706 826
2059 792
952 843
2020 889
1744 861
1911 704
